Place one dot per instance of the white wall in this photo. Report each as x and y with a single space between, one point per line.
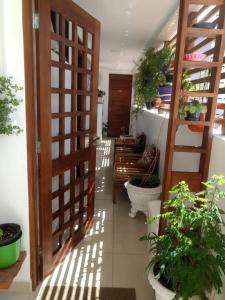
155 127
13 151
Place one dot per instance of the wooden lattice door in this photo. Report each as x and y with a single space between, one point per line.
67 61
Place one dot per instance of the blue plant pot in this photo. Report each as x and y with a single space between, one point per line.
193 116
165 92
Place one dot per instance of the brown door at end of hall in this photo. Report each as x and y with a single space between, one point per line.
120 89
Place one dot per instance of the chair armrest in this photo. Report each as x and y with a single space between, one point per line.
127 156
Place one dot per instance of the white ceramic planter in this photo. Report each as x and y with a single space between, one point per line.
161 292
139 197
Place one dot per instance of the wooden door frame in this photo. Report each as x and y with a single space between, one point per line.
31 122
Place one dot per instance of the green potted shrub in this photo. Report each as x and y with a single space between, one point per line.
188 260
10 237
151 74
8 104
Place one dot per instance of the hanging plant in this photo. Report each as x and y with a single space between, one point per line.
8 104
151 74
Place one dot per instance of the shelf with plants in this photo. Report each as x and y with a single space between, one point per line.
204 22
194 103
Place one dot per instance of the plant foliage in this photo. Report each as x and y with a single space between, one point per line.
195 106
151 74
1 232
191 253
8 104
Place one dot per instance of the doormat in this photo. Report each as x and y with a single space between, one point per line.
86 293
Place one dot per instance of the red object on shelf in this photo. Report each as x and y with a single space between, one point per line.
194 56
198 128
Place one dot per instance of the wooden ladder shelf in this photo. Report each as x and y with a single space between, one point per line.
185 33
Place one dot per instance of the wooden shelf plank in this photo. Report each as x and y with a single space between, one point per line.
207 2
222 91
200 64
191 149
7 275
186 122
201 80
221 106
193 179
220 121
203 32
197 94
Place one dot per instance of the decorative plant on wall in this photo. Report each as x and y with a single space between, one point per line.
8 104
151 74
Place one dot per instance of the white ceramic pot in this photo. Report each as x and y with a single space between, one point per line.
139 197
161 292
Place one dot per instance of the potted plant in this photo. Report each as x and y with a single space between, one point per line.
141 190
8 104
10 237
165 89
101 94
188 260
194 109
150 75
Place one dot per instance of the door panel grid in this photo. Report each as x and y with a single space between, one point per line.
67 205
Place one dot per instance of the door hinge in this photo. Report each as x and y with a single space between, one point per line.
35 20
38 147
40 252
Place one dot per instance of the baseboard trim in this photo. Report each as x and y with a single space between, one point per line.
21 287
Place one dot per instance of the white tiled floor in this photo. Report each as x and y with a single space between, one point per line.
111 254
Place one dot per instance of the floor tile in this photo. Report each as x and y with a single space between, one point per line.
130 271
101 235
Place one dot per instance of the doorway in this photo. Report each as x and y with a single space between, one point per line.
120 90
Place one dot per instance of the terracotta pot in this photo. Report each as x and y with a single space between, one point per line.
198 128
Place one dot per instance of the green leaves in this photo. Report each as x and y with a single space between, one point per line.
8 104
195 106
150 74
191 253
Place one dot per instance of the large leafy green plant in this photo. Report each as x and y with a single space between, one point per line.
190 255
8 104
151 74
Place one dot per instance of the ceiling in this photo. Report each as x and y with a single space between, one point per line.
127 27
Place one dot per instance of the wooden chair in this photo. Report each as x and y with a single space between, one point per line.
127 156
129 145
147 165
